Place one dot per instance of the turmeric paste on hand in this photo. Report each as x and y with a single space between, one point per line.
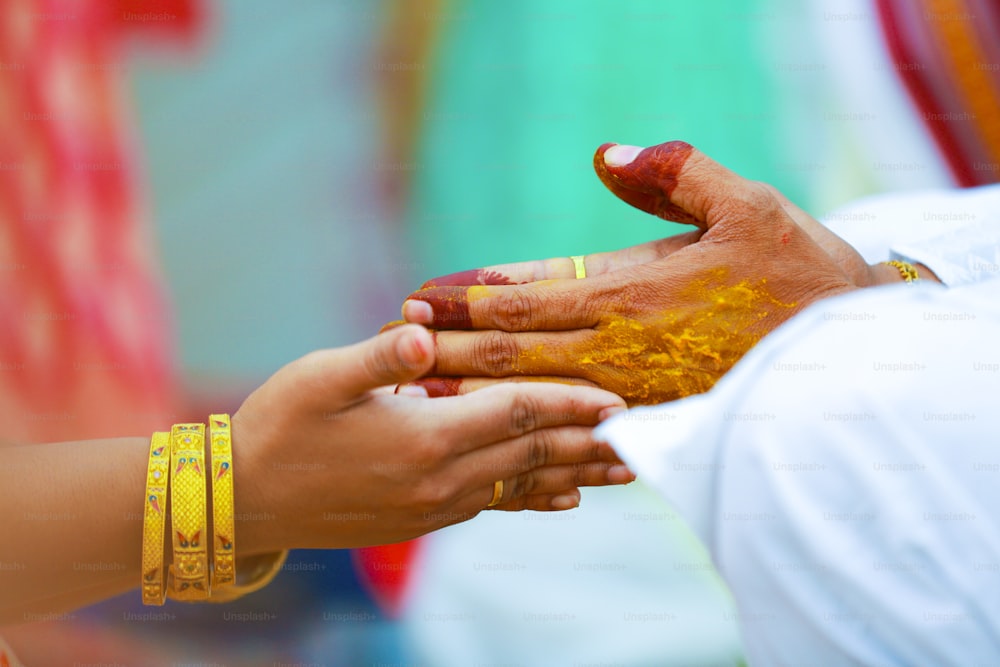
649 358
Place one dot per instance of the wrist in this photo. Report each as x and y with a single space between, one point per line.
887 274
926 274
255 514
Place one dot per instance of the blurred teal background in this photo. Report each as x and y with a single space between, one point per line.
260 148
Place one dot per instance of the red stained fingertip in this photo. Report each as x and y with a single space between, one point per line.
648 179
450 307
438 387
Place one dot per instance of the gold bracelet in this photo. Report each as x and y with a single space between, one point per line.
154 519
223 526
906 270
253 573
188 513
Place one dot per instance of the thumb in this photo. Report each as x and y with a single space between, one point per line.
399 355
674 181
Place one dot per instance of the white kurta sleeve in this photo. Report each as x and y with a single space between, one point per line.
845 476
956 233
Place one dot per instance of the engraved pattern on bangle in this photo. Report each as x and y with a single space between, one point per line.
188 513
223 527
154 519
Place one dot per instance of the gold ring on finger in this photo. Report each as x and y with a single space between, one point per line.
497 493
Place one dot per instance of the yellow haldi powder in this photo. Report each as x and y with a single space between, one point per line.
678 352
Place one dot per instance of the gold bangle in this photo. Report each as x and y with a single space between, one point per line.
154 519
188 513
906 270
253 573
223 526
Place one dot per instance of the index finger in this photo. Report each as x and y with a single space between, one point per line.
564 268
547 305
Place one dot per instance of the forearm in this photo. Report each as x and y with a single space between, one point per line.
73 513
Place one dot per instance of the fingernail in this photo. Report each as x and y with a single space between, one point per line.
620 155
418 312
607 413
412 349
565 502
438 387
620 474
412 390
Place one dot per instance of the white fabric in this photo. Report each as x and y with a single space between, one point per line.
956 231
845 475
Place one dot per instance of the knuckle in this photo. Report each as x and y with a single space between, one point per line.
753 202
523 485
431 452
541 446
376 364
494 353
515 312
523 415
430 494
761 197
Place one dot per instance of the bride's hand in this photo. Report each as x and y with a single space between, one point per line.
325 460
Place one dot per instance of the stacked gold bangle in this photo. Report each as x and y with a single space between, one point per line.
223 528
154 519
188 513
178 464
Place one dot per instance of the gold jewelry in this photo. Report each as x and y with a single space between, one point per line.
223 527
579 263
906 270
188 513
154 519
497 493
258 571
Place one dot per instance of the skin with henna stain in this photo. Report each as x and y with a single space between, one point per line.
451 304
649 358
470 277
437 387
648 181
644 353
450 295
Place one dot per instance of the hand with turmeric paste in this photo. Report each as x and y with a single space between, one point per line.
657 321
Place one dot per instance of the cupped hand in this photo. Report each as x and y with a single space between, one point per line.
325 460
653 322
